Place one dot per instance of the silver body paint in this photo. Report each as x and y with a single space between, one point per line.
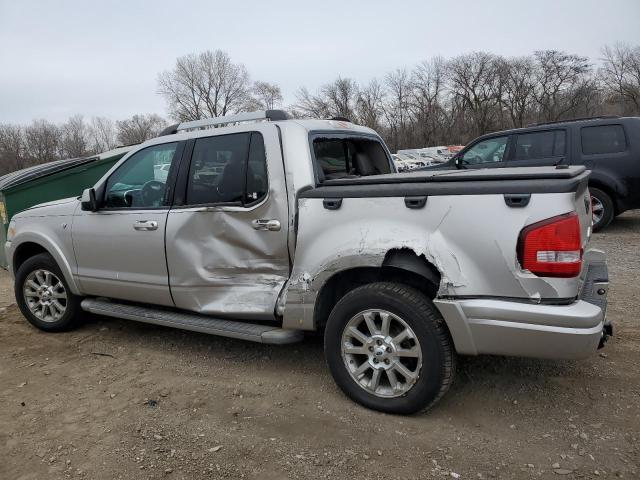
210 260
471 240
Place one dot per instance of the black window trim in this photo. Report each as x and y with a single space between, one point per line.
178 157
314 134
180 199
608 124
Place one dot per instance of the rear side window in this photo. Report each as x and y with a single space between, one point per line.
228 169
533 145
603 139
257 184
342 157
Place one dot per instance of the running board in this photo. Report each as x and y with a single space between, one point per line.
195 323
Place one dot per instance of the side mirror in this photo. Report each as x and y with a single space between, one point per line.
88 200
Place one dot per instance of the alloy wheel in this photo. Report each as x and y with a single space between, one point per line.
45 295
381 353
597 208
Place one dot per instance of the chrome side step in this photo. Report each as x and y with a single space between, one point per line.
196 323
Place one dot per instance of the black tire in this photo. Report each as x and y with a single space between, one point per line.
608 212
69 318
416 310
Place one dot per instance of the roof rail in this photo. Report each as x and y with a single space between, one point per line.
340 119
599 117
272 115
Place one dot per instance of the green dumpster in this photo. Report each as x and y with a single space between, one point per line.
50 181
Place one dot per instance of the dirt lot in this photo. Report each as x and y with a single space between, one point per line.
116 399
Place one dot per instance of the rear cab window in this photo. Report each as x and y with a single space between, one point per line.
346 156
603 139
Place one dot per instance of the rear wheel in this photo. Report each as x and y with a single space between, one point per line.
603 209
389 349
43 295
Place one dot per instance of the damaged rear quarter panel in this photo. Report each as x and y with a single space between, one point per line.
470 239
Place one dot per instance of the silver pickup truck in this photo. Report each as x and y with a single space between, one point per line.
262 227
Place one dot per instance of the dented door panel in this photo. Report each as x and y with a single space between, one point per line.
221 261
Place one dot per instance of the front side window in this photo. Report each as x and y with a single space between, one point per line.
603 139
534 145
140 182
228 169
489 151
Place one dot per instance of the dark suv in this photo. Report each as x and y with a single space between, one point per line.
608 146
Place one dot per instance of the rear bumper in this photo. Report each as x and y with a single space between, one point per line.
502 327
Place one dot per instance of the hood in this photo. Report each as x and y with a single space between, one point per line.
64 206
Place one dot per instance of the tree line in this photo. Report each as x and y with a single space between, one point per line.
43 141
452 101
439 101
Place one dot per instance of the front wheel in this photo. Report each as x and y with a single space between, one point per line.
389 349
43 296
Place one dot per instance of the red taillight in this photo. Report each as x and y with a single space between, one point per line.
552 248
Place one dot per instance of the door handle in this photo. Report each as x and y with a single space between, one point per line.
146 225
266 224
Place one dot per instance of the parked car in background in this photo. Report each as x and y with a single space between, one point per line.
411 159
407 162
608 146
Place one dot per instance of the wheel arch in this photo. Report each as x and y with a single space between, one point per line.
609 189
31 246
399 265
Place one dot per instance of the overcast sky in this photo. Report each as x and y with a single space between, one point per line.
59 58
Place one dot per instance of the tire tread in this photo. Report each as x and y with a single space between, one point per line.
409 295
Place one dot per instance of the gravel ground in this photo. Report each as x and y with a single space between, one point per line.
117 399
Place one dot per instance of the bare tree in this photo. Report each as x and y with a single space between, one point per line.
428 84
208 84
620 73
370 105
310 105
74 138
335 99
396 109
102 134
42 142
341 97
518 80
561 81
139 128
265 96
474 84
12 148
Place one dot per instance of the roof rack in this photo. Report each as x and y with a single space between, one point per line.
271 115
600 117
